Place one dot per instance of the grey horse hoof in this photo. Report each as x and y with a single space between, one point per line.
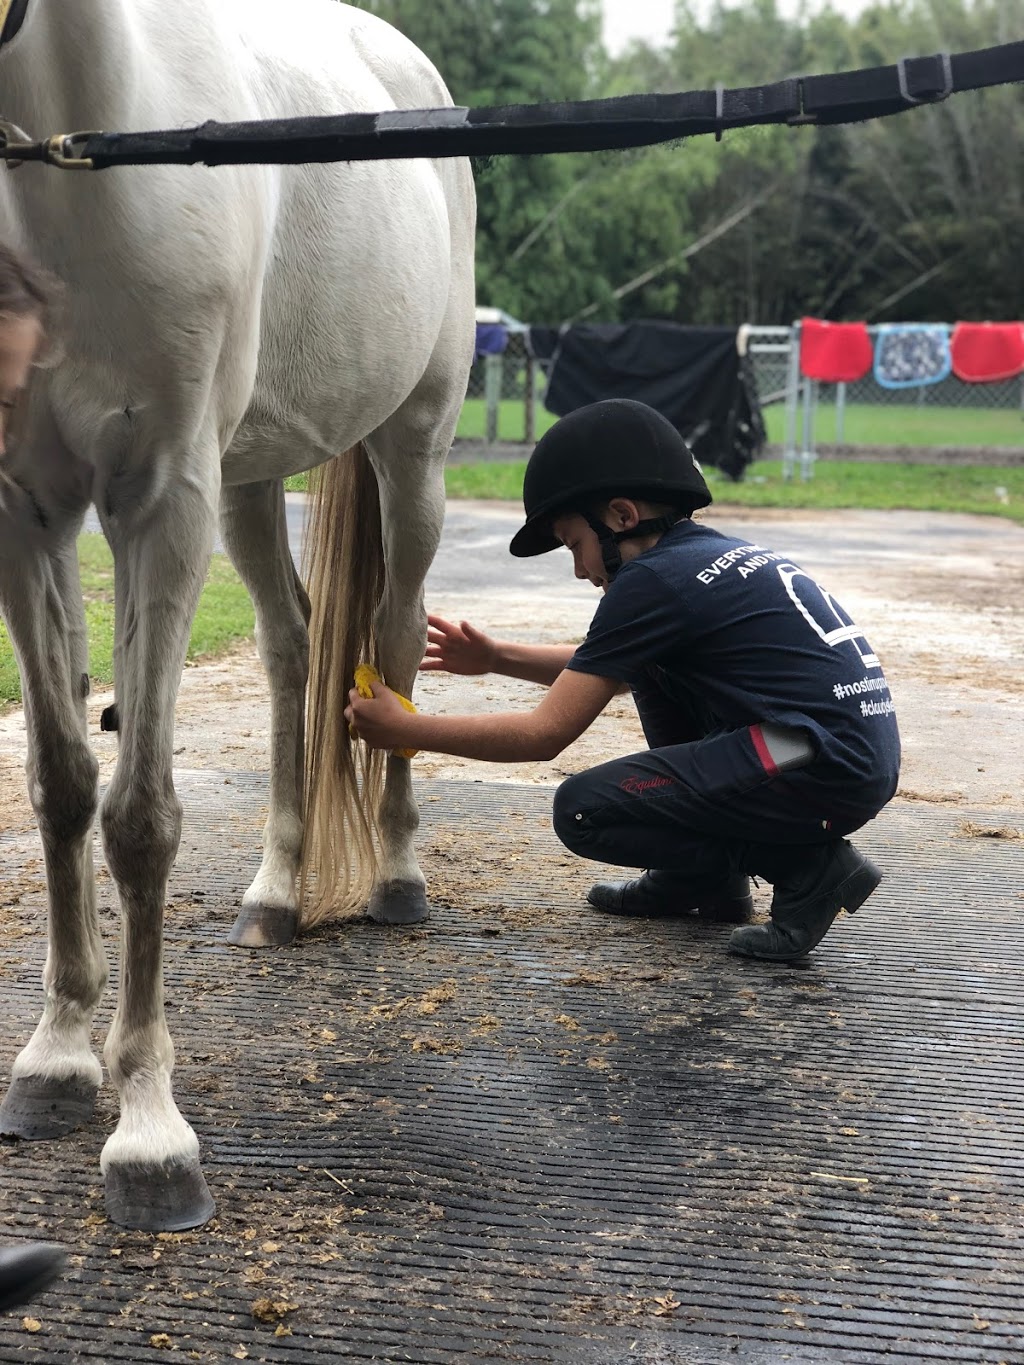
398 903
169 1197
36 1108
264 926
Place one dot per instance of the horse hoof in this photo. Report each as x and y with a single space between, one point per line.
168 1197
264 926
36 1108
398 903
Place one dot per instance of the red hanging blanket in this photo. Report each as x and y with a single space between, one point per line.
985 352
835 352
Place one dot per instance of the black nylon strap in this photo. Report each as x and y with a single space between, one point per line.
532 129
523 129
852 96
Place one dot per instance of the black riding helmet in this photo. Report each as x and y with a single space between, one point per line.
616 447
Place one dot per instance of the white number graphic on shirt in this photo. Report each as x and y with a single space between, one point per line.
824 614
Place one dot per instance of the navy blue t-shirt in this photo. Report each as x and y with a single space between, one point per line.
752 638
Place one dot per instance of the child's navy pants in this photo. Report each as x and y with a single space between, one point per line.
708 807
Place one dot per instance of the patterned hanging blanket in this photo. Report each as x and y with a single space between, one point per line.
910 354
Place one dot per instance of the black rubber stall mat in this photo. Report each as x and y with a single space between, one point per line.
524 1131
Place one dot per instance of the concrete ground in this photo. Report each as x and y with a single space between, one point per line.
524 1131
940 596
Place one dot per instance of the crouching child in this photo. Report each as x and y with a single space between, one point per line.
771 728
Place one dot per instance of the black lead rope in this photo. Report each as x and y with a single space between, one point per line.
533 129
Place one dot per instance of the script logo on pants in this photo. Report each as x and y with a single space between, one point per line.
637 785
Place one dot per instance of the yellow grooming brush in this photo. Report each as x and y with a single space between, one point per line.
367 674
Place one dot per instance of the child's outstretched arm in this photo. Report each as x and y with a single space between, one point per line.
464 649
570 707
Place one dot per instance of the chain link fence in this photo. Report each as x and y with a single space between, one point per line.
946 422
504 397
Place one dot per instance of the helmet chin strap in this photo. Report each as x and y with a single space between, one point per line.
610 540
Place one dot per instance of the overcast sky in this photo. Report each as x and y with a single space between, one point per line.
652 19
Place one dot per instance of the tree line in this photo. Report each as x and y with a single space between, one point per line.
918 216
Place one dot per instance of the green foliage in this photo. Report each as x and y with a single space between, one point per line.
944 183
224 616
515 52
915 216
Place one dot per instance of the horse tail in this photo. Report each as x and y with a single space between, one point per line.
344 570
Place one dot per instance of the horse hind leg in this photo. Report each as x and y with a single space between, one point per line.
255 533
408 454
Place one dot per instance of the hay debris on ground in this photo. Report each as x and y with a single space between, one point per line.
971 830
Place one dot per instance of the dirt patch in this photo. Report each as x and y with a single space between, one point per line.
15 809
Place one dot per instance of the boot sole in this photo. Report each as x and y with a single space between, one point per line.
48 1268
653 911
739 911
849 895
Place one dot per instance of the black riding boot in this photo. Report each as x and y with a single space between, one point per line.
25 1269
812 884
667 895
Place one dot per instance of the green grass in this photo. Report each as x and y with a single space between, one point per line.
836 483
493 479
224 616
906 424
874 424
511 420
850 483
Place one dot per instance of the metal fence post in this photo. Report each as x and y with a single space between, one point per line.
493 366
840 412
792 402
807 455
530 410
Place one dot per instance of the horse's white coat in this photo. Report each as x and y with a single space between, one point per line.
223 329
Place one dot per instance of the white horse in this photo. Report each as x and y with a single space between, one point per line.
224 328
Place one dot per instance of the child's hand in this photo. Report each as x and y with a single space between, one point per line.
457 649
381 720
